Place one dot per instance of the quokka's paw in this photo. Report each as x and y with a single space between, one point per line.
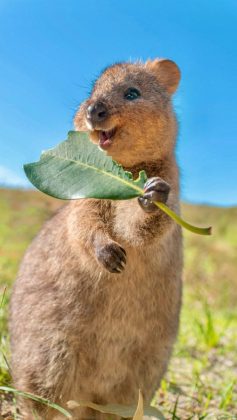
156 189
112 256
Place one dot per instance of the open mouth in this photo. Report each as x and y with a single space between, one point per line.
106 138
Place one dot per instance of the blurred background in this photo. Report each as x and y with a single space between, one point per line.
50 52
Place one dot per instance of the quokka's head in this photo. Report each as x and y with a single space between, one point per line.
129 113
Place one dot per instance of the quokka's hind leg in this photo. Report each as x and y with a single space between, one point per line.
49 370
46 369
54 378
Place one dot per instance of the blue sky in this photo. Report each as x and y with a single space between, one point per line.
50 51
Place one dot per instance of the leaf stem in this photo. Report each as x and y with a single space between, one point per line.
181 222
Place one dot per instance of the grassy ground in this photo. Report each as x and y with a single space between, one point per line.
202 377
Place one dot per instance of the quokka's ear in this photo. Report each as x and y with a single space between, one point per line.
167 73
80 118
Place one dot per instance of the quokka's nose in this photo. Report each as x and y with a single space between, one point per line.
97 112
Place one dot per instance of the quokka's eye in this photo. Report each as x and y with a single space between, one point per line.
131 94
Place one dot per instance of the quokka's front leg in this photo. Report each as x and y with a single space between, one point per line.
96 216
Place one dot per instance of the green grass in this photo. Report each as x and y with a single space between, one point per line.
201 382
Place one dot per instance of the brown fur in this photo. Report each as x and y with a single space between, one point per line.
79 332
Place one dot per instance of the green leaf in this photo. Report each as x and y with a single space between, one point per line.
124 411
76 168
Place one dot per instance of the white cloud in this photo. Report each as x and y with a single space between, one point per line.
9 178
